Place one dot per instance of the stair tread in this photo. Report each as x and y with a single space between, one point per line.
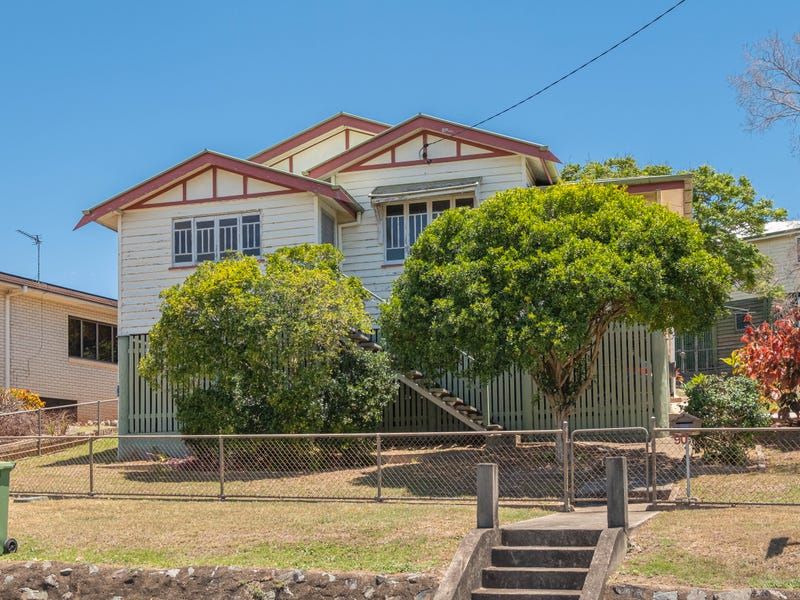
544 547
519 591
537 569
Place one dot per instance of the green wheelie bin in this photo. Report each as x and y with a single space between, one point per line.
9 544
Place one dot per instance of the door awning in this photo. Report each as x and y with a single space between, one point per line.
409 191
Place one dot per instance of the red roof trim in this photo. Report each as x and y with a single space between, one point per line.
336 121
437 126
361 166
641 188
235 165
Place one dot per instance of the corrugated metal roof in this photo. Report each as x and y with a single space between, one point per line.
405 189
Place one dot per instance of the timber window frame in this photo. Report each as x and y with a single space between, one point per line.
198 239
91 340
405 221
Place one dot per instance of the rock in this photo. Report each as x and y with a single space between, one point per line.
329 577
424 595
29 594
119 574
768 595
733 595
629 591
173 573
67 596
295 575
695 594
65 572
190 571
51 581
8 579
665 596
413 578
379 579
369 592
93 570
352 584
46 565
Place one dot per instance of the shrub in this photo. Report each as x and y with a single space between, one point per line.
15 400
723 401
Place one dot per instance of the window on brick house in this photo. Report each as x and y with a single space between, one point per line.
91 340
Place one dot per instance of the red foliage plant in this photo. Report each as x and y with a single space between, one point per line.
771 356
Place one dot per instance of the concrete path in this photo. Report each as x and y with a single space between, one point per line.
590 517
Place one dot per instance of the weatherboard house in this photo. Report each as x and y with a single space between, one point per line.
370 189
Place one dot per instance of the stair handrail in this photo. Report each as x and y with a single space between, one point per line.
483 390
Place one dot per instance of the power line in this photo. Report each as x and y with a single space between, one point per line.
597 57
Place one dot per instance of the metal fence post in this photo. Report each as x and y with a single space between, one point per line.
652 468
39 429
688 469
98 417
565 459
379 472
221 468
91 466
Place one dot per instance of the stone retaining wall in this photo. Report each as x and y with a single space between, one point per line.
622 591
60 581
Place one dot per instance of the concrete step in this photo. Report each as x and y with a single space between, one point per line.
466 408
542 556
358 336
550 537
510 594
533 578
494 427
439 392
414 375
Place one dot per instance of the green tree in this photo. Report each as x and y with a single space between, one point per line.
534 277
727 209
271 346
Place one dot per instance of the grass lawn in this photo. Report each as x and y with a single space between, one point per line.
327 536
717 548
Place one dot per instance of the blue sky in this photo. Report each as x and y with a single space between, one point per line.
97 96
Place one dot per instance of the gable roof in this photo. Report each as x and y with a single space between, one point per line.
441 127
19 281
341 119
240 166
777 229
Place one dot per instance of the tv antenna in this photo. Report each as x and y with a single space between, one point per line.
37 241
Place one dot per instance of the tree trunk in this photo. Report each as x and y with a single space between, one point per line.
556 401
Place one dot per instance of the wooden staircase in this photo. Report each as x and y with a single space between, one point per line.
442 398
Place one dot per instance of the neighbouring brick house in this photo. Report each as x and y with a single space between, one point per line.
703 353
60 343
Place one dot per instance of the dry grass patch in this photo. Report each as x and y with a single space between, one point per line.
335 536
717 548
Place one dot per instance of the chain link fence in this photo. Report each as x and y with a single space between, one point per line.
728 465
713 466
430 466
590 447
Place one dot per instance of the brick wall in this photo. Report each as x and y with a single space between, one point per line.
39 353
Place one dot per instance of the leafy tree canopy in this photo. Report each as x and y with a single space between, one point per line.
272 345
727 209
534 277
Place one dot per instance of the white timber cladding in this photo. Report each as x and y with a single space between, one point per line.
319 150
362 242
146 246
784 252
